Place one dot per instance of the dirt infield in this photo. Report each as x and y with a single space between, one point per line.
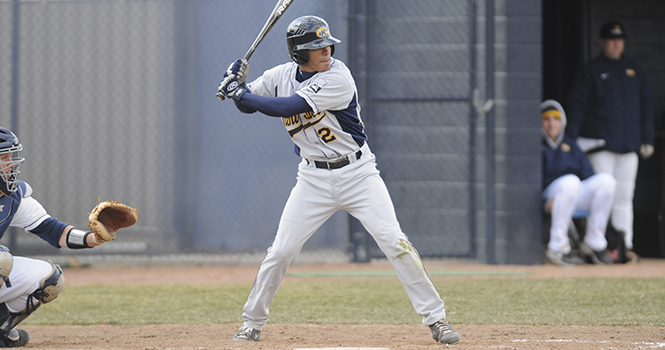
283 337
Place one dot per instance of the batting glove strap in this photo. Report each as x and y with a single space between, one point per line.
237 94
77 239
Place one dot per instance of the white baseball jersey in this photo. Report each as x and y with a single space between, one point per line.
334 128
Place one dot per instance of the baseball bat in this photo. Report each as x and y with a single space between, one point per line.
276 14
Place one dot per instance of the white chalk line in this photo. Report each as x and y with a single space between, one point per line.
639 345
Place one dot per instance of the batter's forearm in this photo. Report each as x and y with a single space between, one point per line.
276 106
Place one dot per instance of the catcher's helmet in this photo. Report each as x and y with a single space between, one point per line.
308 33
9 168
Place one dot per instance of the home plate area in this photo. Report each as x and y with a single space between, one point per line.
341 349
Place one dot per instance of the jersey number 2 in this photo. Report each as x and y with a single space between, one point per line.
326 135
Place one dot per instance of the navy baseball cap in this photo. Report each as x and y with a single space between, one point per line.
612 30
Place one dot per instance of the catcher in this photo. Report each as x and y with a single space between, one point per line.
27 283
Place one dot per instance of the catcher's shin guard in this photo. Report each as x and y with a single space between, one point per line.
49 288
9 320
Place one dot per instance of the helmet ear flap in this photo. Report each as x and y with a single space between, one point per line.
301 57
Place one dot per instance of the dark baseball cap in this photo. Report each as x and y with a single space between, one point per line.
612 30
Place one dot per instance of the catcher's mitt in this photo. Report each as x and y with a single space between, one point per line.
108 217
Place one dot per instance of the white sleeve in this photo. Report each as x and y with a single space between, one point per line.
260 87
266 83
30 214
330 92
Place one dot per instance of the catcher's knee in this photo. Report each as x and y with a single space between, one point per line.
50 286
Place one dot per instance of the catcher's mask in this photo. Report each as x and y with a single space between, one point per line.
10 162
308 33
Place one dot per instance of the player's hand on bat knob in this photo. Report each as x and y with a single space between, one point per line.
228 85
239 68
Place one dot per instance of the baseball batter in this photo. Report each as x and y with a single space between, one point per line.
316 97
27 283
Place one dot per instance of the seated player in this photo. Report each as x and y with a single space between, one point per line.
570 184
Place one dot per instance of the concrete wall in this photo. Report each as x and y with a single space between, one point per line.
517 89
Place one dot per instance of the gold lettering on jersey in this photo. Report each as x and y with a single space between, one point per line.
310 115
296 120
630 72
291 121
295 124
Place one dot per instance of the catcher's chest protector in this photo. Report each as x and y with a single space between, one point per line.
8 207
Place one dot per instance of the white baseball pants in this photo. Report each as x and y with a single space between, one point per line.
624 169
25 278
593 195
317 195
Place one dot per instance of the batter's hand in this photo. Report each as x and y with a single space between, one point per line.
228 85
239 68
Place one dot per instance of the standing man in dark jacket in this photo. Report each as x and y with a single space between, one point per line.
610 102
570 184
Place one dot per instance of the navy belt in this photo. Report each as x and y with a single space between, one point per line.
338 163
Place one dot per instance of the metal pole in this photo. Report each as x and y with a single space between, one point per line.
16 37
15 86
473 115
489 130
358 58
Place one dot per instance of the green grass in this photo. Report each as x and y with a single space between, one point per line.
517 301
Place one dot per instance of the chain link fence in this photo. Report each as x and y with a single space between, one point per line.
116 99
421 77
89 99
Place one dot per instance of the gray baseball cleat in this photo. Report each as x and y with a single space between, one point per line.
561 259
15 338
247 333
596 256
444 333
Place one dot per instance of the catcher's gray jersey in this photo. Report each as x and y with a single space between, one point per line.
334 128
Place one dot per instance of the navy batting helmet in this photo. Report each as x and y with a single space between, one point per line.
9 166
308 33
